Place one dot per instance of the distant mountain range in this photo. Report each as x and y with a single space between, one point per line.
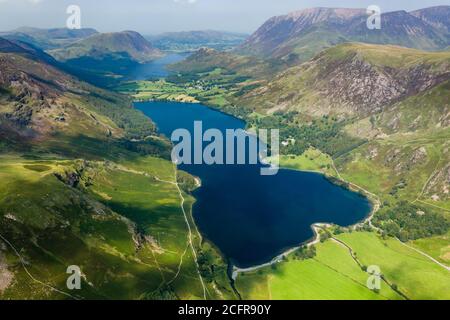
120 44
47 39
300 35
85 52
438 17
102 57
193 40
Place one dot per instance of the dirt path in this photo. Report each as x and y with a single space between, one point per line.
426 255
22 262
190 237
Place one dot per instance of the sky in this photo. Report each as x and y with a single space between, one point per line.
156 16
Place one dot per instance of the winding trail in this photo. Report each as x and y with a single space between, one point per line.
22 262
186 219
190 234
428 181
426 255
180 265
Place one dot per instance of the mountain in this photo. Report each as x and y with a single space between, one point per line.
24 48
47 39
104 58
353 79
304 33
438 17
207 59
277 36
126 44
85 182
193 40
41 104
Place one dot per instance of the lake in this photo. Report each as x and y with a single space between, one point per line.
155 70
249 217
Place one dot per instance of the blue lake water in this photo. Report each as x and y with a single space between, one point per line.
156 69
249 217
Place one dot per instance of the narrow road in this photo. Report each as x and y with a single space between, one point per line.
426 255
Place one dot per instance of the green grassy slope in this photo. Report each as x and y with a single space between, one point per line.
332 82
78 187
122 225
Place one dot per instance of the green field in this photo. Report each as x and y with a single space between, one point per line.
415 275
192 92
158 90
311 160
333 274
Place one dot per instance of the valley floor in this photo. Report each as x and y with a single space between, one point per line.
416 269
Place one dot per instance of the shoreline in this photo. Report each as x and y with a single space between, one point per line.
316 227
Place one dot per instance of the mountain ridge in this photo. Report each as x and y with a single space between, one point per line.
41 102
113 43
48 39
354 78
296 32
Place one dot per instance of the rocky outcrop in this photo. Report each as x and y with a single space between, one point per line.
439 186
367 88
6 276
75 177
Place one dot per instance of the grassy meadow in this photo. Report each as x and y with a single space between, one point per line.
333 274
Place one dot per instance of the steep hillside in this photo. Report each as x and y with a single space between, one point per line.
277 36
84 182
303 34
206 59
352 80
438 17
103 59
41 103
